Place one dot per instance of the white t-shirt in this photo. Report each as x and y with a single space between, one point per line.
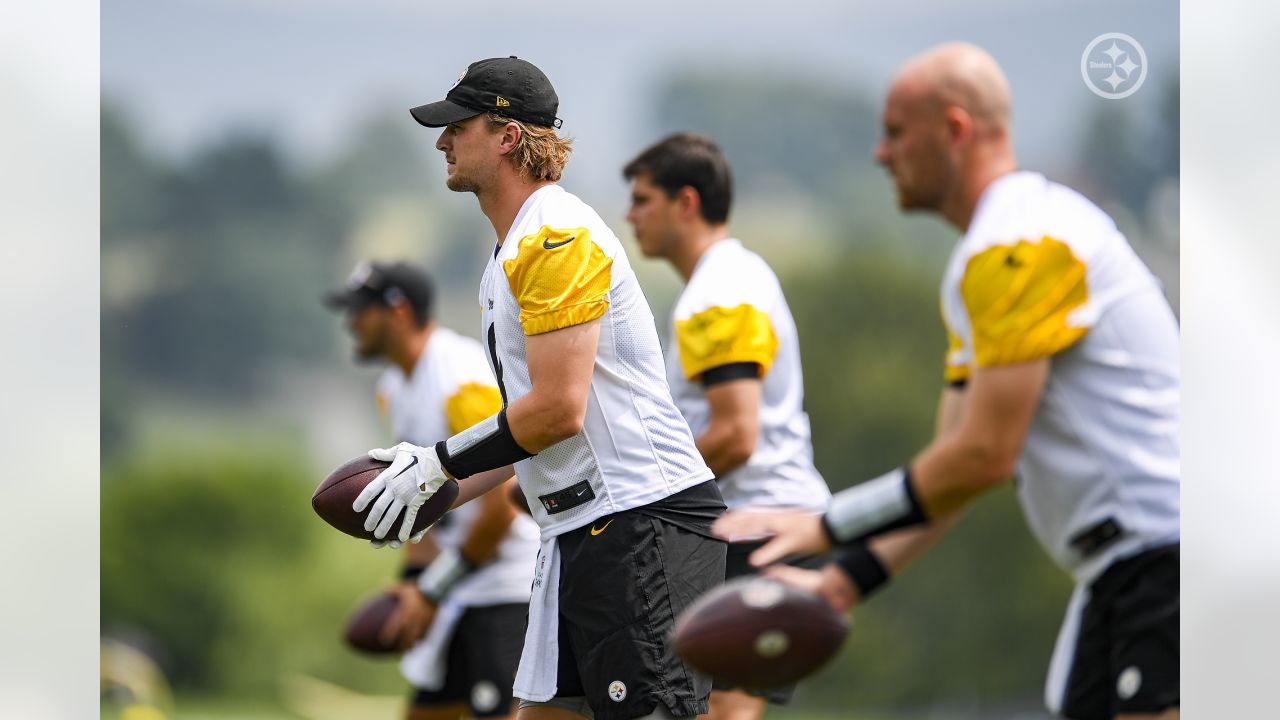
560 266
1042 272
451 388
732 311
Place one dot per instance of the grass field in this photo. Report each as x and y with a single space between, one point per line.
369 708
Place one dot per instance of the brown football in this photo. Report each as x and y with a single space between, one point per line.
332 499
367 620
754 632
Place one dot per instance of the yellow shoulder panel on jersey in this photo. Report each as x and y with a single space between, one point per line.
472 403
1018 298
720 336
955 371
560 278
384 409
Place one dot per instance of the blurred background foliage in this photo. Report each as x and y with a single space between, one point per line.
228 390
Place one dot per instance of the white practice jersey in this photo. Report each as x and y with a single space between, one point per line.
451 389
1042 272
560 266
732 311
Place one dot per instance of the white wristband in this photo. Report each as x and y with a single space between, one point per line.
875 506
443 573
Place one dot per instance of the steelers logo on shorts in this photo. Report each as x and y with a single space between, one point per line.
617 691
485 696
1129 682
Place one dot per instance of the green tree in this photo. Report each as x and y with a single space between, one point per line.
211 554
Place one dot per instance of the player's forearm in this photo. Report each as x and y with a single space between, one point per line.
897 550
726 446
476 485
542 419
953 471
944 478
489 527
561 363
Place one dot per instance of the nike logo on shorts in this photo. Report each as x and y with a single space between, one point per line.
597 531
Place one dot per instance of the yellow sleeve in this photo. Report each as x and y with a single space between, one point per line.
560 278
1019 298
720 336
472 403
955 370
384 410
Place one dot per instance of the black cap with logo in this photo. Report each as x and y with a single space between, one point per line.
508 86
385 284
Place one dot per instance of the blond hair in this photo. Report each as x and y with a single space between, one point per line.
541 153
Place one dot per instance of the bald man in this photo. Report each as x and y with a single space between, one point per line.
1062 368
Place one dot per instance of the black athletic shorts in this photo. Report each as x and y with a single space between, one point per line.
1126 652
482 659
623 581
737 565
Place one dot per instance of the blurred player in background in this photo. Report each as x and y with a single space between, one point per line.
465 588
1063 367
608 465
733 363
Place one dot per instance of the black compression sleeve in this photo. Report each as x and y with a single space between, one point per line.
484 446
732 371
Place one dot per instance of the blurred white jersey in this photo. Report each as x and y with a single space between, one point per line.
1042 272
732 311
560 266
450 390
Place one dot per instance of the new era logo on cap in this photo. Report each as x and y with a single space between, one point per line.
516 86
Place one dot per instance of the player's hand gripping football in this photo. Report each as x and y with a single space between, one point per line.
412 617
787 533
414 475
829 583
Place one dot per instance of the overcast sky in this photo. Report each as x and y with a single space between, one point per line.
305 70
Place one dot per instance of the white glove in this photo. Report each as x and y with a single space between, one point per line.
414 475
394 543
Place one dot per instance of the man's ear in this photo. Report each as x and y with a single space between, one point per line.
688 202
959 124
510 137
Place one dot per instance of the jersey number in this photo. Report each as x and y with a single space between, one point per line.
497 366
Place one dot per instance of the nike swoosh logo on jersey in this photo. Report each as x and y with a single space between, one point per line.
597 531
548 245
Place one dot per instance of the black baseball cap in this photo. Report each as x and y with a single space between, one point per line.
385 284
509 86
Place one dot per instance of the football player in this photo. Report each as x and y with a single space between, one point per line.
606 462
465 589
1062 368
733 361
